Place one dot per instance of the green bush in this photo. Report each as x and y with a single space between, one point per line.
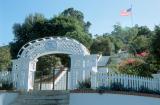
146 90
117 87
84 84
102 89
6 86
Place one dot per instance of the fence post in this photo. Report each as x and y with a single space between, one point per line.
93 80
157 79
67 80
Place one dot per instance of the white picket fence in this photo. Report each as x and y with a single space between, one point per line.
127 81
5 76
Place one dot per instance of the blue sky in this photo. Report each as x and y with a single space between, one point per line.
103 14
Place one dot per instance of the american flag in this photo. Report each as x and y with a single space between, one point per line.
126 12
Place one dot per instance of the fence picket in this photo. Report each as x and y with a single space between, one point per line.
127 81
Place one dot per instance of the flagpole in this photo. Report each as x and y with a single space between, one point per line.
131 14
132 24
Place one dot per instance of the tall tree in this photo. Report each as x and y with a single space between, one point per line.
155 42
141 43
143 30
69 23
102 45
27 31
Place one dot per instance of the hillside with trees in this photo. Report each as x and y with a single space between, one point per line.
139 42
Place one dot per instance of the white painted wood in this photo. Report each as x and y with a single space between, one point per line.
128 81
82 63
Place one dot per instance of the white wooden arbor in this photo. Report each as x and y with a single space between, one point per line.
82 63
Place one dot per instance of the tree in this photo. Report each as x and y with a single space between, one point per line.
124 36
136 39
78 15
141 44
46 64
5 58
143 31
154 57
118 44
70 23
142 40
26 32
71 27
155 42
102 45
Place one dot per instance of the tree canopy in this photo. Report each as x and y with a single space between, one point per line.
69 23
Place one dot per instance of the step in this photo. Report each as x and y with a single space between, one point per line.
42 103
46 97
46 92
43 96
33 102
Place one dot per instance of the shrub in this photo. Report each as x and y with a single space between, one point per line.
6 86
117 87
147 90
84 84
135 66
102 89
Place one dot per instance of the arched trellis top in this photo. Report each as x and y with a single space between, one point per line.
49 45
